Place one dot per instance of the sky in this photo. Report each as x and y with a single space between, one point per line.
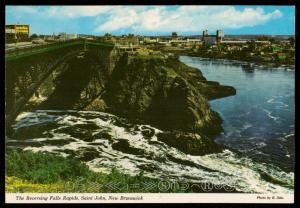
154 20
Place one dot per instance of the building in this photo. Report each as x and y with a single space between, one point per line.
262 41
220 34
72 36
150 40
49 37
209 40
19 28
193 40
212 39
87 37
10 35
234 41
64 36
174 36
128 41
16 32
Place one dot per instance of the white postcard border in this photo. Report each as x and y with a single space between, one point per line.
147 198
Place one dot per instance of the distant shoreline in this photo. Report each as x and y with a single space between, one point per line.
266 64
260 63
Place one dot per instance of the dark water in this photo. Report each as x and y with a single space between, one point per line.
259 119
104 141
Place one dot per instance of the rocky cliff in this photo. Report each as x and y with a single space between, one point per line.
165 93
156 90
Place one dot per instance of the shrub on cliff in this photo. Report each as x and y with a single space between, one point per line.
27 171
42 168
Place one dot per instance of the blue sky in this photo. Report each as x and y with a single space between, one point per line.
154 20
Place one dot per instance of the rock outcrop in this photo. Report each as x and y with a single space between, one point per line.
165 93
190 143
156 90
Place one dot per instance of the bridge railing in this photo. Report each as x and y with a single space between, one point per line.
11 54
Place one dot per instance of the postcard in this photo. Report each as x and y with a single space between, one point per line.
149 104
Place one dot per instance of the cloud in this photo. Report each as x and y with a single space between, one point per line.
119 19
150 19
231 18
60 11
186 19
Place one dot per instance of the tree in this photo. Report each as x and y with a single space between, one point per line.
263 38
292 40
33 36
130 35
273 41
251 46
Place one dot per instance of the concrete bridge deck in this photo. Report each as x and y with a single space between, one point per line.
28 50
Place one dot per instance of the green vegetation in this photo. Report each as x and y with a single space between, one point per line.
274 53
27 171
171 73
42 168
33 36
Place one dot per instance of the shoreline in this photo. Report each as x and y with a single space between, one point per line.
292 67
258 63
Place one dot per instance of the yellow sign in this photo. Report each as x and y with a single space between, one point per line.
23 29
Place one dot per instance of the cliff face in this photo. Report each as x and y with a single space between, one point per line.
156 90
165 93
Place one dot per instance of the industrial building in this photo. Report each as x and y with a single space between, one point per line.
174 36
212 39
16 33
64 36
220 34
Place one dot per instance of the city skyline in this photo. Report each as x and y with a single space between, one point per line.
155 20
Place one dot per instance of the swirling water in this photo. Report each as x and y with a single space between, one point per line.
104 141
259 119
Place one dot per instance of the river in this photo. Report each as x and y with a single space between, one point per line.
259 119
258 123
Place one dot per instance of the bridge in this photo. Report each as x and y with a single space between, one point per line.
127 47
27 68
23 51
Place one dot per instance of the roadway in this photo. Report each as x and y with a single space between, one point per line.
21 45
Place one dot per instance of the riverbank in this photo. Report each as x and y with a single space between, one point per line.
243 59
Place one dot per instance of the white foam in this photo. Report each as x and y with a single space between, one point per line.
226 167
269 114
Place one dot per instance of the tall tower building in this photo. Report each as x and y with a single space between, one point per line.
174 36
220 35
